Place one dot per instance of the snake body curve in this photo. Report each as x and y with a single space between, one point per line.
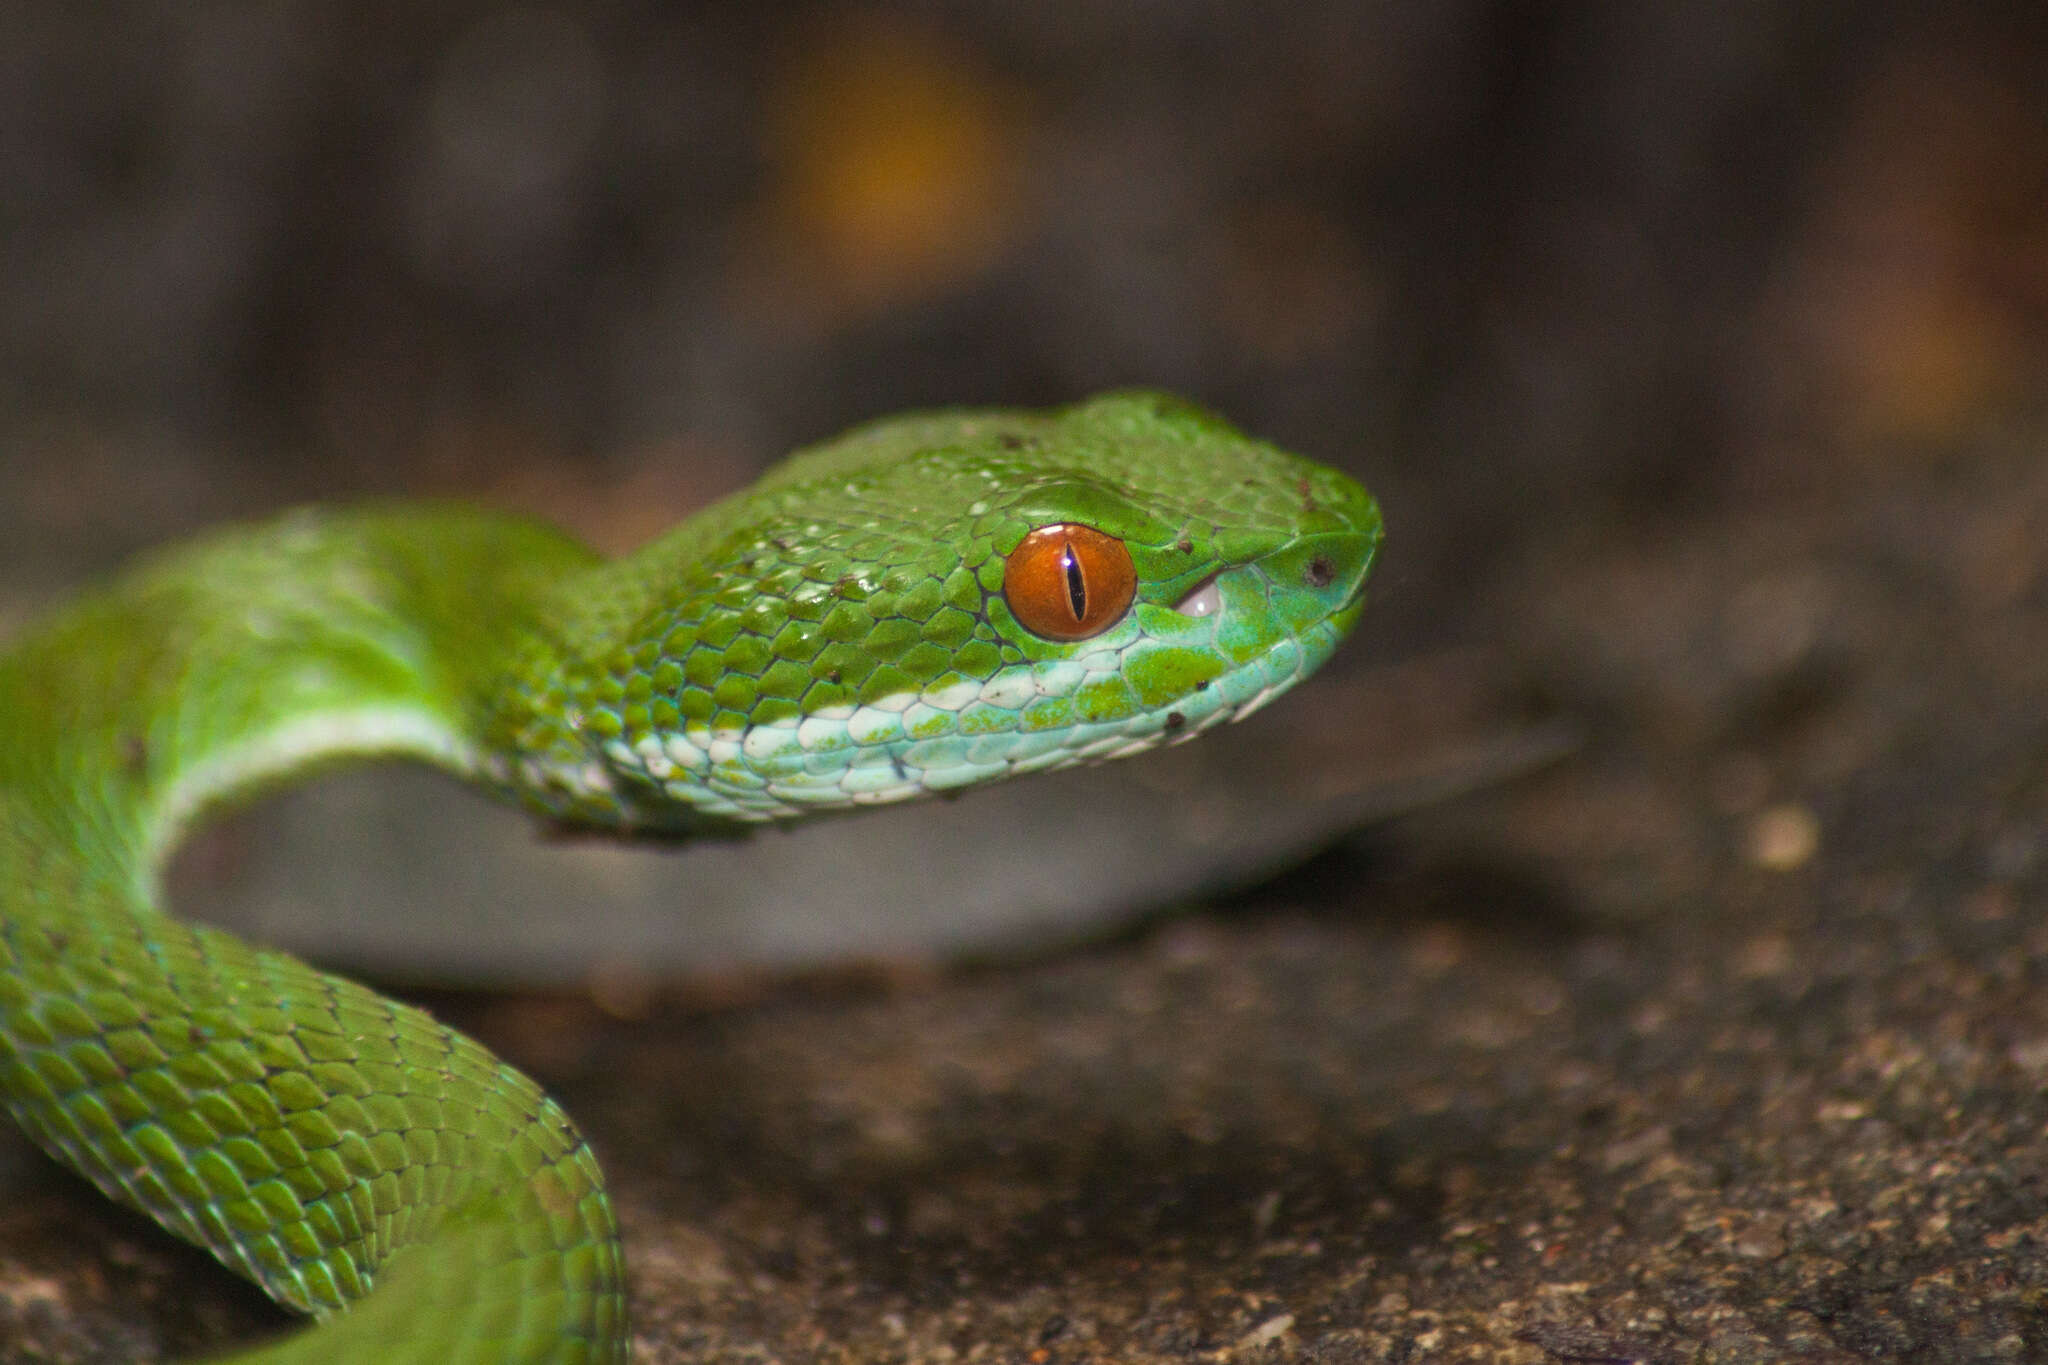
855 628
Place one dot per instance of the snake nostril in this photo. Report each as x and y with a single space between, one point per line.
1319 571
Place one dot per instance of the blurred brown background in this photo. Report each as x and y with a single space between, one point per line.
1697 353
607 259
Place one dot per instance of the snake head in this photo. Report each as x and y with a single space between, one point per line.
940 600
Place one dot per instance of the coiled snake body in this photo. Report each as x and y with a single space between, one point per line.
926 603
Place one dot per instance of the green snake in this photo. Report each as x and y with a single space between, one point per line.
926 603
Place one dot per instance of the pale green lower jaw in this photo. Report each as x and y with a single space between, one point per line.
947 737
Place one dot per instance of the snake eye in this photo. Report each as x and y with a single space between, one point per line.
1068 581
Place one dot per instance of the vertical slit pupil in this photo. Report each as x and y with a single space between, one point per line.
1077 582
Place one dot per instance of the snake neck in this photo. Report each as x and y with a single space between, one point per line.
239 660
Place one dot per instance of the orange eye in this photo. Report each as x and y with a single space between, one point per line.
1068 582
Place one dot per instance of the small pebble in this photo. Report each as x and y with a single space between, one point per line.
1782 838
